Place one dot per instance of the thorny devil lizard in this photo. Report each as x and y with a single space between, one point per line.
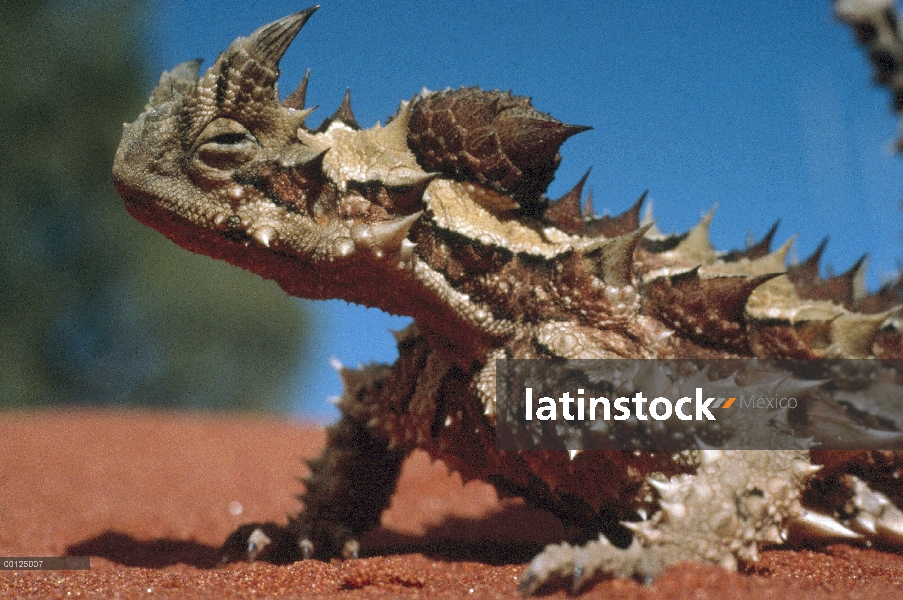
441 215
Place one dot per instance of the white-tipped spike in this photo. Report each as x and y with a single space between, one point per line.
819 527
865 524
307 548
633 526
264 236
572 454
648 218
877 515
803 468
300 116
384 237
665 489
644 530
697 247
342 247
773 262
406 250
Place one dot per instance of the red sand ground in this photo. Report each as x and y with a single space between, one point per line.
150 496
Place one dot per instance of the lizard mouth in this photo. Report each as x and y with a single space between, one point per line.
179 229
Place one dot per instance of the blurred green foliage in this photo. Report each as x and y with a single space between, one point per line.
95 308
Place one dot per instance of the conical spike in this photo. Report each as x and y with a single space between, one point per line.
844 289
343 114
384 237
711 310
648 217
298 117
808 270
805 469
773 262
665 489
565 213
242 81
188 71
257 543
890 294
298 98
890 526
268 44
627 221
264 236
756 250
611 260
697 247
490 137
813 526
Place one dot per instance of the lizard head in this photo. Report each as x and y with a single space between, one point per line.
220 166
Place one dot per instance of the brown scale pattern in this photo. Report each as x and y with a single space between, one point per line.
493 137
710 311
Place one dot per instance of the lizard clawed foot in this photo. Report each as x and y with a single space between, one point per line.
581 564
867 516
263 541
875 516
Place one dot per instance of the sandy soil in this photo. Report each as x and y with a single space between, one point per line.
151 496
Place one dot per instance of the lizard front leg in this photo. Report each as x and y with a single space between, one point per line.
386 412
348 487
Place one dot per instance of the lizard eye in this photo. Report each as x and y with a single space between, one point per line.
225 145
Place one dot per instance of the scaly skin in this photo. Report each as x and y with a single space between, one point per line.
441 215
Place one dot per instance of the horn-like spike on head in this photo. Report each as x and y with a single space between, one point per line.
298 98
241 84
268 44
565 213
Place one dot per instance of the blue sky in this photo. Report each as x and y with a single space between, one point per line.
766 109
